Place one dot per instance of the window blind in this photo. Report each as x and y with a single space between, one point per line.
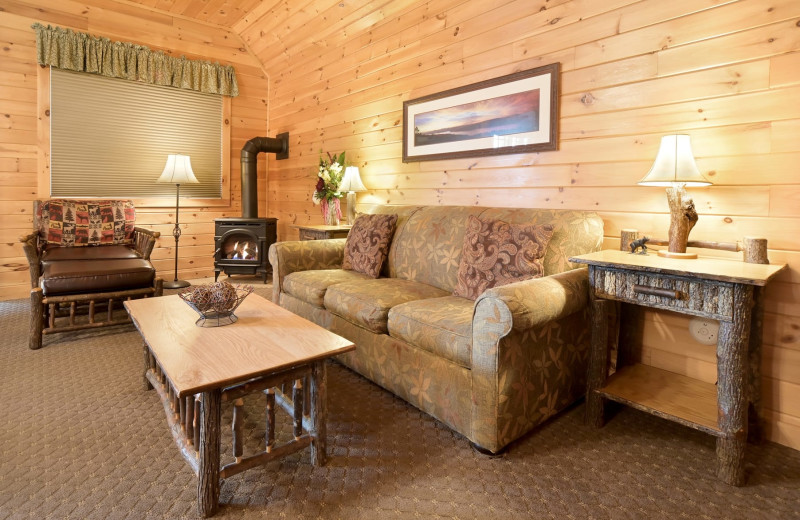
111 137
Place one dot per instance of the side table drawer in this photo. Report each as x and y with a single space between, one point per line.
708 298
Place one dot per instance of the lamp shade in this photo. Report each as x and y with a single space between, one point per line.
352 180
178 170
674 164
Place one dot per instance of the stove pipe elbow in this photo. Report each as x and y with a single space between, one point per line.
279 146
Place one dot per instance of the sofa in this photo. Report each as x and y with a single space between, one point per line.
491 369
83 256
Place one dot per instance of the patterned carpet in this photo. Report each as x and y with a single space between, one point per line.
81 439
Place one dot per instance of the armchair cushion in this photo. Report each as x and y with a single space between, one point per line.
73 223
111 252
497 253
92 276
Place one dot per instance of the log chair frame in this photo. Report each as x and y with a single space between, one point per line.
45 309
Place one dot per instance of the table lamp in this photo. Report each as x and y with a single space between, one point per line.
177 171
675 168
351 183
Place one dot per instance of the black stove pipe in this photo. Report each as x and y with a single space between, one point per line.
279 146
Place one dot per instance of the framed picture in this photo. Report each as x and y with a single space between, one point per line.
517 113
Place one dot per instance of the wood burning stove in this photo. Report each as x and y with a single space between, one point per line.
241 245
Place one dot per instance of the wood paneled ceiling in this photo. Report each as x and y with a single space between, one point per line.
219 12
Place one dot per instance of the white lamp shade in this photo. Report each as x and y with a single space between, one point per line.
674 164
352 180
178 170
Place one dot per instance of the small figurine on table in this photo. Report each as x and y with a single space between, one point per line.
636 244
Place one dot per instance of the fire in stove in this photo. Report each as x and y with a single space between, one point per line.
244 250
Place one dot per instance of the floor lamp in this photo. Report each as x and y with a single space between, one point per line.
177 171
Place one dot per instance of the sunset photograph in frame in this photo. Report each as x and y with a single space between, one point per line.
516 113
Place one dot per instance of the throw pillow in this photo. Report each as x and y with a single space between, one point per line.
87 222
497 253
367 244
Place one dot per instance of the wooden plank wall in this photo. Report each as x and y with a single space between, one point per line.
725 72
173 34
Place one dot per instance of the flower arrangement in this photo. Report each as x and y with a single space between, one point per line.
326 192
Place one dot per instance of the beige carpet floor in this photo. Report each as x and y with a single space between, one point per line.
79 438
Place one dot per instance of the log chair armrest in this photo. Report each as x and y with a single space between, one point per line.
144 240
303 255
33 252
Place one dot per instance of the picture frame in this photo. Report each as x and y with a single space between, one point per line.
515 113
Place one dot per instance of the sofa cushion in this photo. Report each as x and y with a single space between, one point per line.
367 302
65 222
368 244
89 276
442 326
110 252
310 286
498 253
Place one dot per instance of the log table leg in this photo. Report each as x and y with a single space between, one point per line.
145 381
732 402
598 363
208 481
319 412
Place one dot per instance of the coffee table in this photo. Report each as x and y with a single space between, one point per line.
195 369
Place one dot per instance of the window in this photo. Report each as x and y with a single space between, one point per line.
111 137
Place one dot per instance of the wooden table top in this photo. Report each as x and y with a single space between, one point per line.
265 339
735 271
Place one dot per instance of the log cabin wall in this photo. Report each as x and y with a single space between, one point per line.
174 34
725 72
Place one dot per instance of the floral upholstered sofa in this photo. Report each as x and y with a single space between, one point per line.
491 368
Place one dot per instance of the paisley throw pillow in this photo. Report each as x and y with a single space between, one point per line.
368 244
498 253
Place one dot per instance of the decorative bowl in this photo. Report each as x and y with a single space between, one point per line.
215 302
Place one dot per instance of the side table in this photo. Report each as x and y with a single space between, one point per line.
724 290
322 232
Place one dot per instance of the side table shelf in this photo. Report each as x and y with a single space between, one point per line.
672 396
724 290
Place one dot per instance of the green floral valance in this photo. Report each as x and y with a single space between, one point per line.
71 50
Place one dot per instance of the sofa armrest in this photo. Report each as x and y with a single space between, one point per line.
537 301
529 351
304 255
33 252
144 240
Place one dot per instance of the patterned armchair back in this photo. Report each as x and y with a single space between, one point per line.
76 223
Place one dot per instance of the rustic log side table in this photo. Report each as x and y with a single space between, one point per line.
323 232
724 290
195 369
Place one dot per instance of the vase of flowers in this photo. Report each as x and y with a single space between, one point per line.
326 192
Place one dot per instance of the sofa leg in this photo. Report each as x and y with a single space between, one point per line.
159 287
37 319
484 451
